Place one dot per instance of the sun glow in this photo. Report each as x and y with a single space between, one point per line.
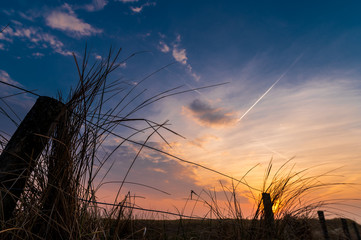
276 206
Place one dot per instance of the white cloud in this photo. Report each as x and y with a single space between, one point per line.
4 33
163 47
36 37
23 101
70 23
38 54
26 16
136 9
179 55
2 46
193 74
140 8
8 12
95 5
5 77
127 1
162 35
178 38
16 22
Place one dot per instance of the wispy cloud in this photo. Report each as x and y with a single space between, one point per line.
207 115
31 14
193 74
34 36
127 1
8 12
141 7
180 55
163 47
20 103
5 77
67 21
203 140
136 9
95 5
164 172
38 54
26 16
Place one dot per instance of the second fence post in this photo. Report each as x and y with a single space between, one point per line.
321 217
268 215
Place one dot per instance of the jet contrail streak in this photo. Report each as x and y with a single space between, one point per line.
270 88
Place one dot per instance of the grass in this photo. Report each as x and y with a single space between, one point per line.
59 201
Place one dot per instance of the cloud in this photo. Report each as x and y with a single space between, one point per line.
152 168
14 103
5 77
163 47
207 115
141 7
9 12
127 1
175 179
136 9
180 55
38 54
36 37
203 140
193 74
2 46
68 22
31 14
26 16
95 5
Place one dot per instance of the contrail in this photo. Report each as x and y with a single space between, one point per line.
270 88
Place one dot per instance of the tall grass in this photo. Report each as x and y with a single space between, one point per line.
59 201
60 198
295 196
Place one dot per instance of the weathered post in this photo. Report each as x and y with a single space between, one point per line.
321 217
268 215
346 231
25 146
354 224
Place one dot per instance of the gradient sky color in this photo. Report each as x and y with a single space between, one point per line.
308 52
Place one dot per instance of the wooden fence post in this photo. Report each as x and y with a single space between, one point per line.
346 231
25 146
268 215
321 217
354 224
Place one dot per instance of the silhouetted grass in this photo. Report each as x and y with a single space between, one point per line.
59 201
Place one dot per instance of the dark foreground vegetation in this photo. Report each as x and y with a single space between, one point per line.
288 228
57 199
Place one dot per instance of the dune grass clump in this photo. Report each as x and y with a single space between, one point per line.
59 199
293 205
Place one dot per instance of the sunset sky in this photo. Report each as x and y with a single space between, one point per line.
293 89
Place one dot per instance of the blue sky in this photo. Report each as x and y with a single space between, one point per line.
313 48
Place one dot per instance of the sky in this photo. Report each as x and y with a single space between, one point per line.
291 74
